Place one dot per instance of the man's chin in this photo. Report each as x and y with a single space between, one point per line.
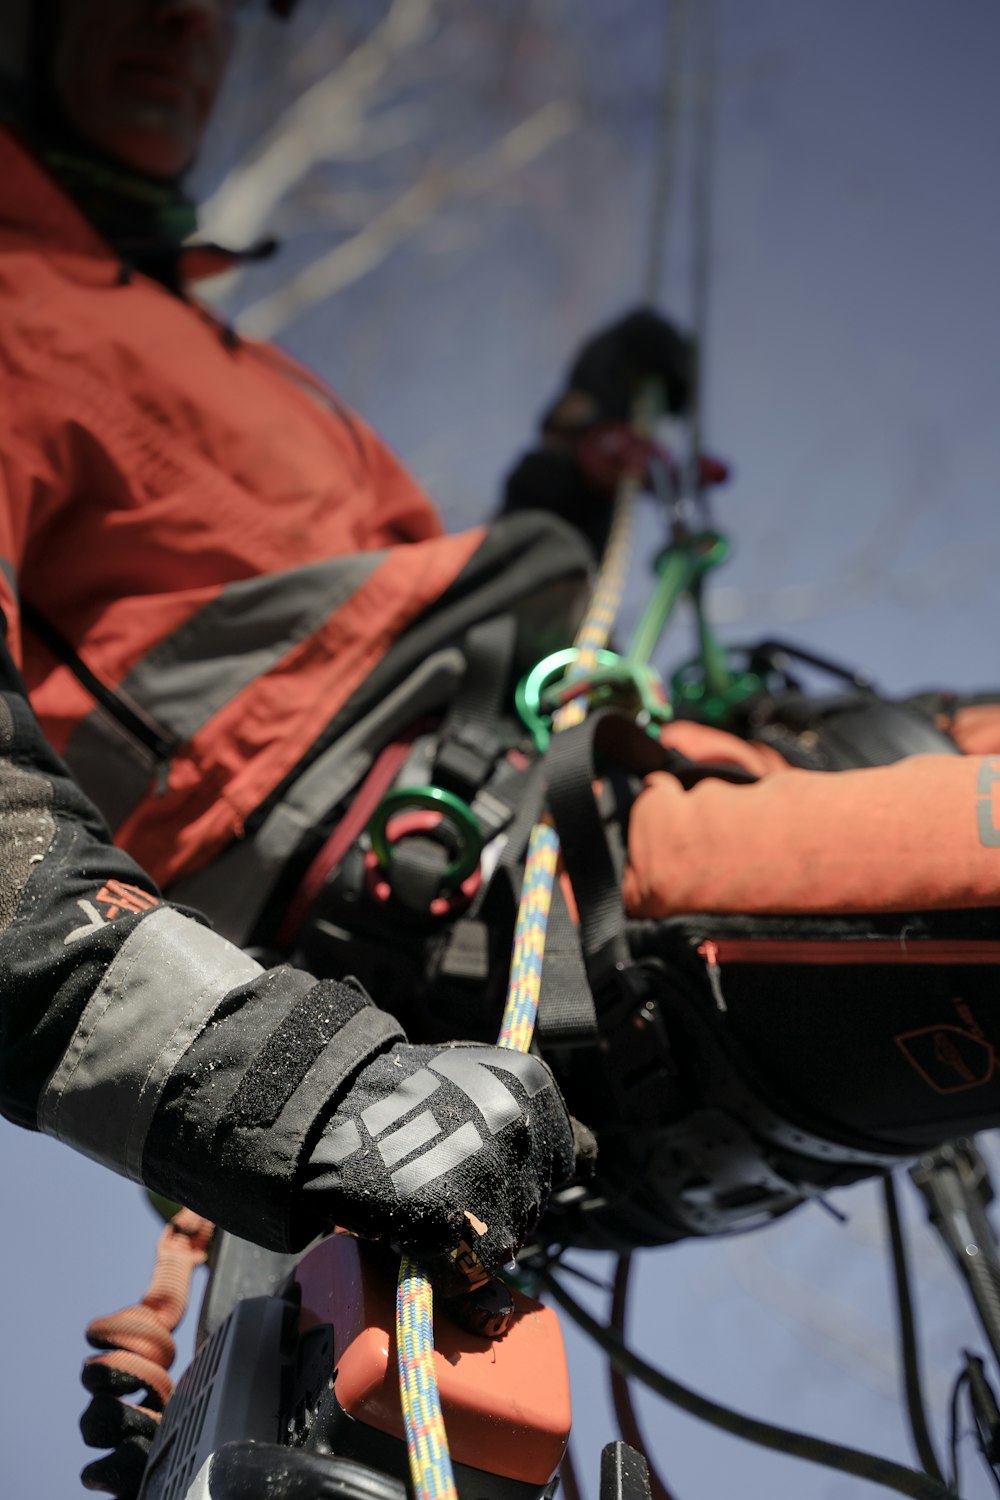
149 138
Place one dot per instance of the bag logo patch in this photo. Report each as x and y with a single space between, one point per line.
947 1058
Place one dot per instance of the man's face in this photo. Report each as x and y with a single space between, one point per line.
138 78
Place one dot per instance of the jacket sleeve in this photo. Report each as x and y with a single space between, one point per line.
920 833
134 1033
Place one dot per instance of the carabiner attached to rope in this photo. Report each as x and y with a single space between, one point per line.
558 680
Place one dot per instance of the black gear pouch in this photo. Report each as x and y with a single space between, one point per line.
741 1065
881 1032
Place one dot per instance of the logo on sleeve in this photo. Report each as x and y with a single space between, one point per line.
117 899
986 822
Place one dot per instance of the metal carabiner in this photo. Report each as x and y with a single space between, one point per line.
457 815
547 687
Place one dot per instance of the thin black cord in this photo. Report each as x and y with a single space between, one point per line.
991 1471
908 1343
675 28
621 1396
784 1440
569 1484
702 181
961 1380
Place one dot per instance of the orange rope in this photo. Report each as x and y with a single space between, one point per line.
138 1339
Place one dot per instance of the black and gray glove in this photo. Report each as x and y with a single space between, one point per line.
606 375
429 1135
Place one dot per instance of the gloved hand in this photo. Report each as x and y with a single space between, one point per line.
608 372
430 1135
588 443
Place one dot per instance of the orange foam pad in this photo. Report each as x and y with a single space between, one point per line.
506 1401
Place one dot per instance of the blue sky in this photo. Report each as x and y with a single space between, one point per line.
854 382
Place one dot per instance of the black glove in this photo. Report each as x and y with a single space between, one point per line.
606 376
586 442
434 1143
111 1421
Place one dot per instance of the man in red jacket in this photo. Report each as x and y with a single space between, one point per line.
207 565
223 595
223 598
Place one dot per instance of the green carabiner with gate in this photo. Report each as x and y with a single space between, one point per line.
537 698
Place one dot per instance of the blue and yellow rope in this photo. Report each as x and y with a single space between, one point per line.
426 1440
525 982
541 861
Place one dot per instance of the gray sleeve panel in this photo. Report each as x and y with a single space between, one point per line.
241 634
154 999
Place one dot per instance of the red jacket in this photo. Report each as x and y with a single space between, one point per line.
219 586
218 538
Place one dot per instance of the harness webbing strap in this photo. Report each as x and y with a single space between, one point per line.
469 740
346 833
567 1016
573 766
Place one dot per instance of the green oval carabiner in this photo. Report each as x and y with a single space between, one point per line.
528 693
453 810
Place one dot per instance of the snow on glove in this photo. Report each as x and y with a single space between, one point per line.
429 1134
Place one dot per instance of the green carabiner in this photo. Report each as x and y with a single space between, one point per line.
534 695
530 690
456 813
638 683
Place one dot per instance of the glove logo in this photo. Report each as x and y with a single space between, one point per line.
397 1143
117 898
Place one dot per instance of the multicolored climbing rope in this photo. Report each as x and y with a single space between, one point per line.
426 1441
541 861
525 983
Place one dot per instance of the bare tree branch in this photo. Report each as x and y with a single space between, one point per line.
329 118
354 258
